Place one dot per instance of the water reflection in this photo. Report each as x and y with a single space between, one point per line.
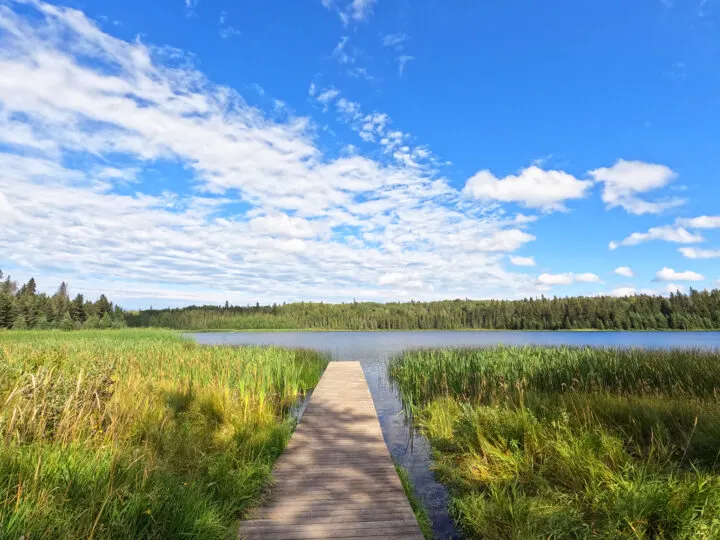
374 349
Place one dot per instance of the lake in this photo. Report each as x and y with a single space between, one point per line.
375 349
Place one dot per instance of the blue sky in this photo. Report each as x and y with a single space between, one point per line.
191 151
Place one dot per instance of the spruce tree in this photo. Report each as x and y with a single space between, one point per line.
7 310
77 309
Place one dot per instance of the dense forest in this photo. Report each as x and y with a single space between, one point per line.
23 308
697 310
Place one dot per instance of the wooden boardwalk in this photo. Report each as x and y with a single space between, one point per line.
335 478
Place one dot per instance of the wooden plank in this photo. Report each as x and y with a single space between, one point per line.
335 478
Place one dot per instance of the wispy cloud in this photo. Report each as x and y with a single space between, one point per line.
71 90
680 232
396 41
340 54
350 11
226 30
190 6
402 61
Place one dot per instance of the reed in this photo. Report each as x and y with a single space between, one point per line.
571 442
139 433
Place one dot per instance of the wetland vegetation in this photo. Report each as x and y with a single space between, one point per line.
139 433
571 442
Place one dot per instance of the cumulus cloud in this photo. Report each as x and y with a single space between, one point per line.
667 233
626 180
532 187
567 278
625 271
522 261
623 291
668 274
254 208
695 253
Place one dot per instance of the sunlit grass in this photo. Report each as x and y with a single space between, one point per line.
139 433
572 443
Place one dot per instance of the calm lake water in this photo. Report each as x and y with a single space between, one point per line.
375 349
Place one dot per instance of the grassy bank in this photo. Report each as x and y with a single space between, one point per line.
139 433
572 443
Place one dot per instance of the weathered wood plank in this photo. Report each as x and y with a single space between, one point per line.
335 478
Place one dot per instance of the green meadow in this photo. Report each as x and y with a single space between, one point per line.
571 442
139 433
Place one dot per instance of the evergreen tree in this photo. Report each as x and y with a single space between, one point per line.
106 321
102 306
7 310
19 323
77 309
66 323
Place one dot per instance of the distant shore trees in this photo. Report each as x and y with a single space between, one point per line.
23 308
696 310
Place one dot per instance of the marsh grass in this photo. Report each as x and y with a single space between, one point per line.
572 443
421 514
139 433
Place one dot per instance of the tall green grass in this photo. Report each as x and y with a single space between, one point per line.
572 443
139 433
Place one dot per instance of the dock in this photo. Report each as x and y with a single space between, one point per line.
336 479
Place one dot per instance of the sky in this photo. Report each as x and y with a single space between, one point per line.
181 152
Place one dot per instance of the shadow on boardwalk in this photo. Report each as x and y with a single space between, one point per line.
335 478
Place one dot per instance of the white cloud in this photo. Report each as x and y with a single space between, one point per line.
522 261
624 181
522 219
532 187
668 274
340 54
325 96
402 61
624 271
361 9
695 253
666 233
623 291
702 222
394 40
567 278
673 288
235 205
355 10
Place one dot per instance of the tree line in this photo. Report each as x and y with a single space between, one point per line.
23 308
696 310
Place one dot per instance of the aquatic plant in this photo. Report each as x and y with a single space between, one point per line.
571 442
139 433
